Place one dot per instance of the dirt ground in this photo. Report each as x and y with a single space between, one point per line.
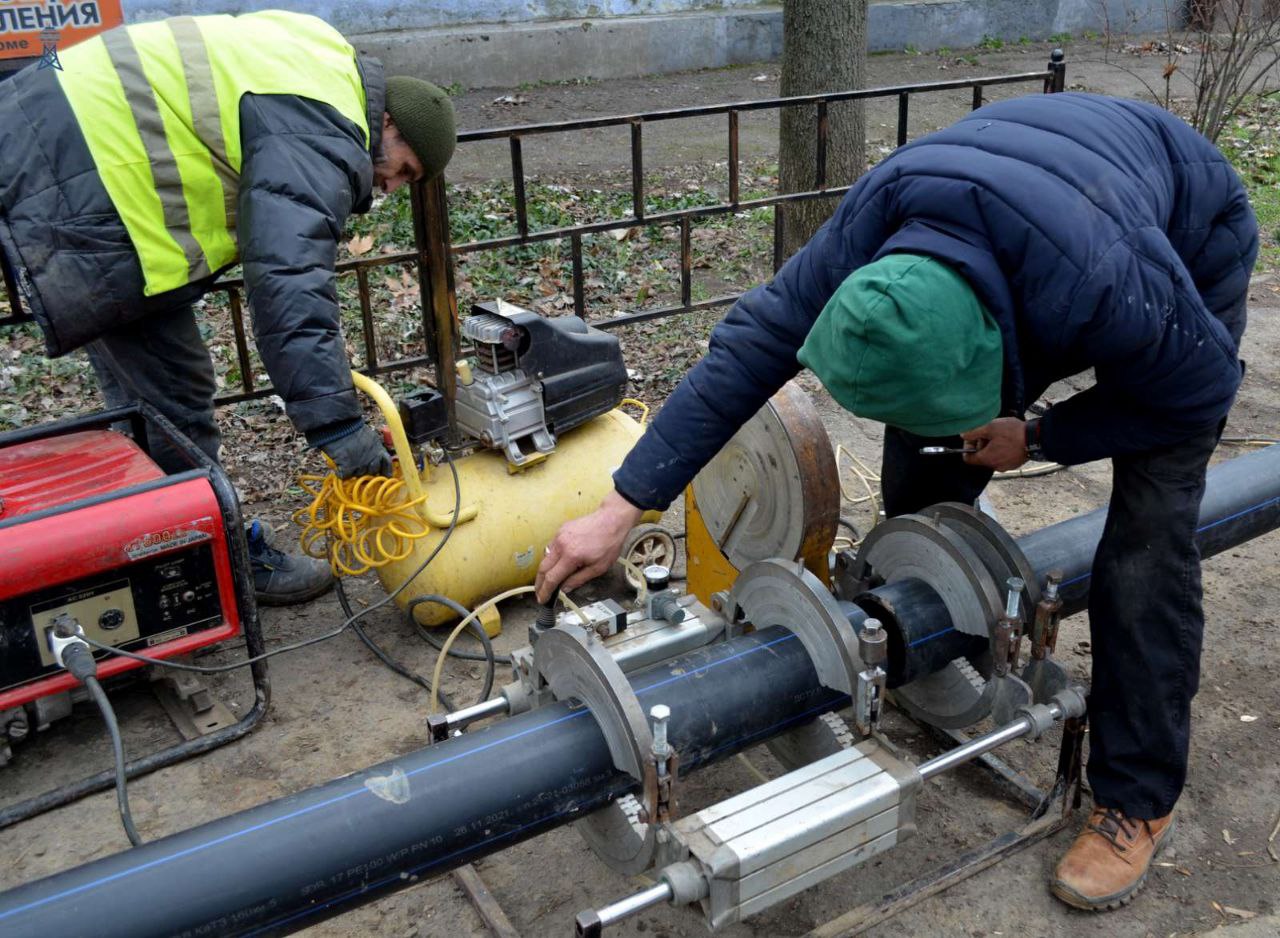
336 709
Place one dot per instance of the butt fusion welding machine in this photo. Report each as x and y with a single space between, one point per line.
93 531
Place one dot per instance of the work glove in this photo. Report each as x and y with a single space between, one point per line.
356 450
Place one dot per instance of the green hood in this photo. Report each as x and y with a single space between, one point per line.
905 341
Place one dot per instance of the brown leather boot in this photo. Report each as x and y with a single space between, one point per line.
1108 863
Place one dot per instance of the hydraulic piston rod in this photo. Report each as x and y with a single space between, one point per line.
289 863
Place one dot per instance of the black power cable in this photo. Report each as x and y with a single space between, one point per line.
73 654
117 748
851 527
393 665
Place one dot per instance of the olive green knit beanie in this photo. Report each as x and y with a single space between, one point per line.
424 116
906 341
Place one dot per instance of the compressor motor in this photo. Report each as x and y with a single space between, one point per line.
528 380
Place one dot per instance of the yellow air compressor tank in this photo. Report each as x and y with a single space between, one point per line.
516 515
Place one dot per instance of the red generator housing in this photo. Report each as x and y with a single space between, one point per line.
146 561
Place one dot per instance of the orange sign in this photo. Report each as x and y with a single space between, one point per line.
39 28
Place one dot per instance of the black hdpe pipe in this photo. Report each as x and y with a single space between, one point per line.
1241 502
287 864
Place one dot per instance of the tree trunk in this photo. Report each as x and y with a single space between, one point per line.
824 48
1201 14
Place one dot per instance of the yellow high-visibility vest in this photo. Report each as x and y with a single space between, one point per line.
159 106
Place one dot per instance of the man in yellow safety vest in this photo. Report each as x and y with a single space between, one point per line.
160 155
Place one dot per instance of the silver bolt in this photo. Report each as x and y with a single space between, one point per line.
872 643
660 713
1051 586
1012 601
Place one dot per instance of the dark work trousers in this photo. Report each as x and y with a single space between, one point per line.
910 482
1146 625
1145 615
162 360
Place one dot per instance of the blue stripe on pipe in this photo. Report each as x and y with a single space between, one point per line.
312 910
927 638
362 790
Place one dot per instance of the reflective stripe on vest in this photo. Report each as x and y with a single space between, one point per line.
159 107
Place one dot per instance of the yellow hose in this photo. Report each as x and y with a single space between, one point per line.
368 522
448 642
458 629
359 524
644 408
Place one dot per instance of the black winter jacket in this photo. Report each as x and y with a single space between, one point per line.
1100 233
305 169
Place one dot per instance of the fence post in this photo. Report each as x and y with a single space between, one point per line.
435 284
1057 80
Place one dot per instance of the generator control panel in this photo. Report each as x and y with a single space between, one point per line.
136 607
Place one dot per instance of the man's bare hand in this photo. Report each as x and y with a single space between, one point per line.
586 547
1002 444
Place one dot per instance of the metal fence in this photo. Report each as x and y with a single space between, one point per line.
434 255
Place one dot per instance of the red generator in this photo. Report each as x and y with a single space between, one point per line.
149 562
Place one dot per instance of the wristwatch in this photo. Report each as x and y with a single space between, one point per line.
1032 440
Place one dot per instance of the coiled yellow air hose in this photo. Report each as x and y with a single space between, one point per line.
368 522
359 524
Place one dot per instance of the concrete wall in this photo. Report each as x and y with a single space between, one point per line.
934 24
551 40
365 16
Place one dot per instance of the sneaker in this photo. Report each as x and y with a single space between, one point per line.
1109 861
281 579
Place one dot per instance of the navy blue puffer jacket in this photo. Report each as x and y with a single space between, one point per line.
1101 233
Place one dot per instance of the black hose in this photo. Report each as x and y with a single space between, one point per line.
117 748
852 528
378 652
488 657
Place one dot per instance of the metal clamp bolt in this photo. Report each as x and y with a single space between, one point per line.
661 749
1013 599
873 647
1008 636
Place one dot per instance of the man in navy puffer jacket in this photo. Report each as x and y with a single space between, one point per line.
1097 234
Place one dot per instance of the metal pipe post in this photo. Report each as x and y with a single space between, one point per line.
430 205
